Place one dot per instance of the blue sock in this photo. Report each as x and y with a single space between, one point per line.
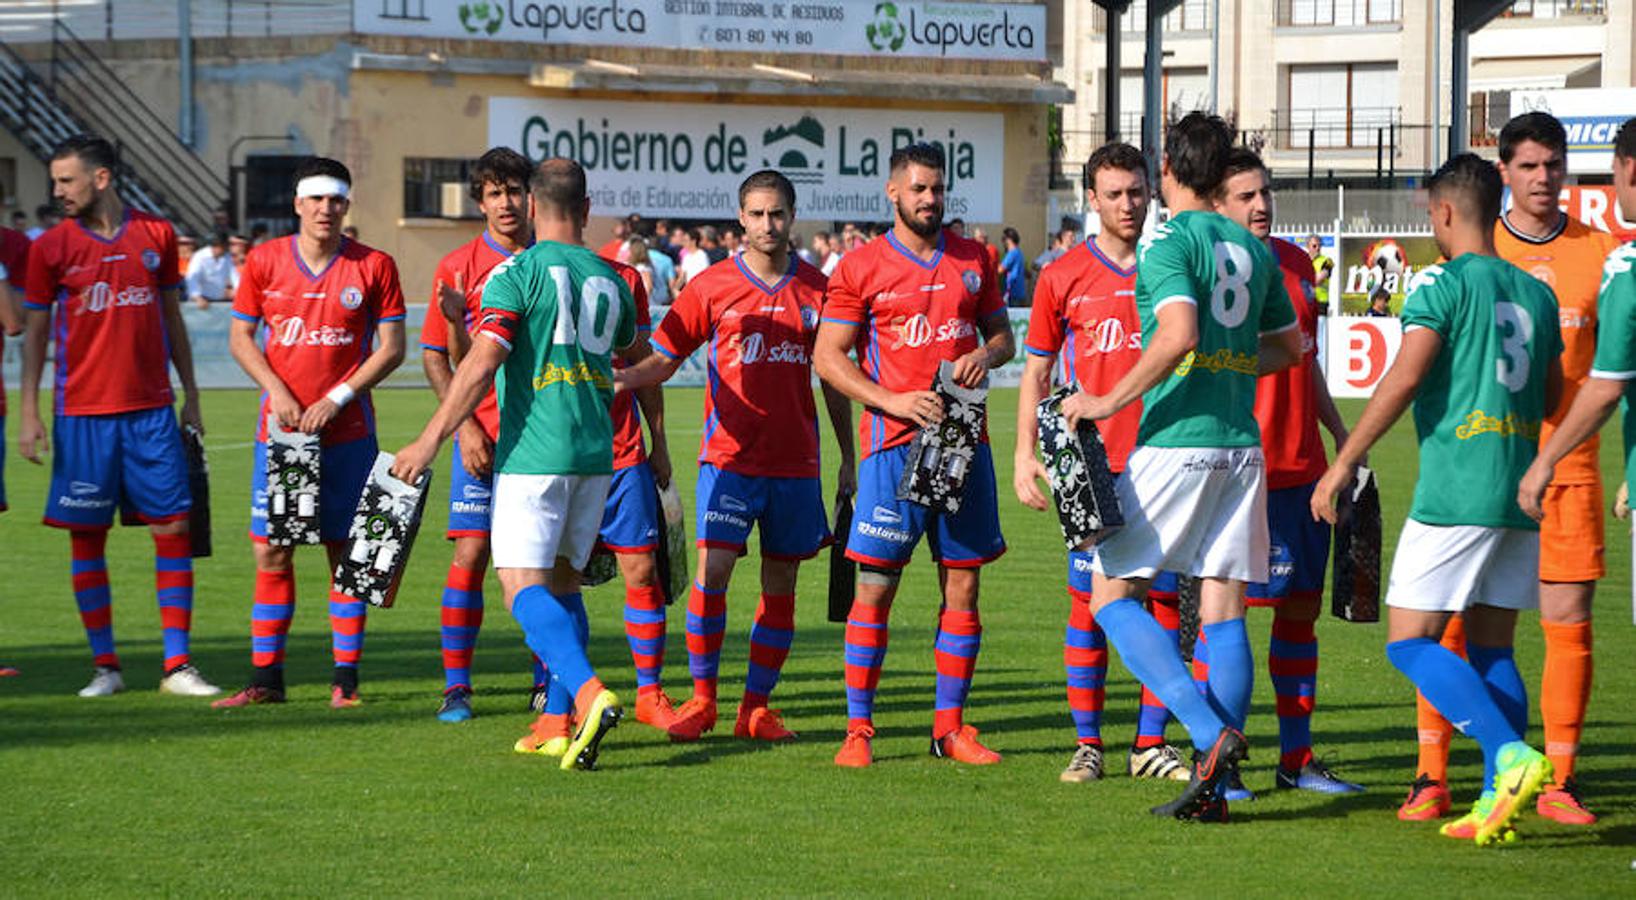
1151 656
1232 670
1498 668
1455 690
552 631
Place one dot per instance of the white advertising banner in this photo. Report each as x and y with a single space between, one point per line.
1592 117
1359 351
882 28
686 160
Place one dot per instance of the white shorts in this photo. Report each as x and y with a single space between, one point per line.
538 518
1190 510
1446 568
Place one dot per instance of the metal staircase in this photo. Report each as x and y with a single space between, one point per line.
64 88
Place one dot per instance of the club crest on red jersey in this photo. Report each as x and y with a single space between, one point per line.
972 281
351 297
150 260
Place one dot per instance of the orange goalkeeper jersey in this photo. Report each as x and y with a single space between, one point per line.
1569 261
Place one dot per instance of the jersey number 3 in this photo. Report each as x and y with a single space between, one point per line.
1516 329
1230 298
598 308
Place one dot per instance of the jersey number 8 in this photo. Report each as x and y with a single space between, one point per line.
1230 298
598 308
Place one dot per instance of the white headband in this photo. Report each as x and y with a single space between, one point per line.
322 186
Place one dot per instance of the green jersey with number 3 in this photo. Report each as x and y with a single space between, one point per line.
1478 411
1218 267
1616 336
556 386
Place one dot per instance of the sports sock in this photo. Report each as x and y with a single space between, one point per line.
1455 690
346 625
558 699
1151 716
1432 730
1232 670
1497 666
1085 655
553 632
173 587
1149 654
959 639
270 614
706 625
1564 692
770 638
645 632
1200 668
866 638
462 617
541 676
1292 663
89 567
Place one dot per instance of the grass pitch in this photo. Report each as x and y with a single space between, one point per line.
143 795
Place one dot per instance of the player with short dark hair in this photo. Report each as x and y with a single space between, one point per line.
113 276
317 323
758 459
906 303
1479 363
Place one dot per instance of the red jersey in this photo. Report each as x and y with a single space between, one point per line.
14 256
911 315
1085 315
759 415
320 325
628 449
1286 403
469 264
112 352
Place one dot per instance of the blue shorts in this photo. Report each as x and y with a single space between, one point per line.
1299 545
343 472
132 461
630 518
886 529
470 509
790 512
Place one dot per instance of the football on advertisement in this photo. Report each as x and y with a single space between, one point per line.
1366 262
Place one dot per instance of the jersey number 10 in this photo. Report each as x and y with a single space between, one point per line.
592 321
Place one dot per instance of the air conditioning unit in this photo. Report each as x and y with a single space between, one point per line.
456 200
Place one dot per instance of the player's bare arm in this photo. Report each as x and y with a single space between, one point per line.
476 450
840 419
999 345
281 403
1329 415
11 310
1176 336
832 360
1591 409
470 383
1028 471
651 400
181 356
31 436
1393 396
1279 350
451 302
388 355
652 369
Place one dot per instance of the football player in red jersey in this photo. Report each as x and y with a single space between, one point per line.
334 311
13 281
105 284
906 302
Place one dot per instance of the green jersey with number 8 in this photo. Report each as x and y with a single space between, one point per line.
1478 411
1616 336
1217 266
562 311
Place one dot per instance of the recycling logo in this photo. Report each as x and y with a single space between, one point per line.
886 32
481 18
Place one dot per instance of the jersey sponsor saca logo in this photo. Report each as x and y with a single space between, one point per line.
351 297
101 296
916 331
1109 335
292 331
752 349
150 260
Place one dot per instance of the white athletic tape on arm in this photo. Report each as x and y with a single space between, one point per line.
322 186
341 394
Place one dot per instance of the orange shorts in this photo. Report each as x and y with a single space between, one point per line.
1571 544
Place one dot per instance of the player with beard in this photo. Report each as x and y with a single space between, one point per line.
906 302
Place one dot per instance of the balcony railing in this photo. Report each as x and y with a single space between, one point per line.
1338 127
1332 13
1555 9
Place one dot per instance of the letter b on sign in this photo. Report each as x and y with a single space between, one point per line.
1360 350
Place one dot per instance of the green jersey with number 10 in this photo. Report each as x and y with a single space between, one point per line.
1217 266
571 311
1479 408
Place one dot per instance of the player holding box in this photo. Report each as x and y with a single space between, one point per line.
758 459
906 302
113 276
333 311
551 317
1214 316
1288 407
1084 313
1480 363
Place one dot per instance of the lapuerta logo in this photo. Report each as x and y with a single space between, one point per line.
596 15
885 31
946 27
481 18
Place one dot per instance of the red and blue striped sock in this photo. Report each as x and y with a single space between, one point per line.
770 638
462 618
1201 664
706 626
270 614
1292 663
1151 716
1085 655
645 632
89 567
866 639
959 639
173 586
346 625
